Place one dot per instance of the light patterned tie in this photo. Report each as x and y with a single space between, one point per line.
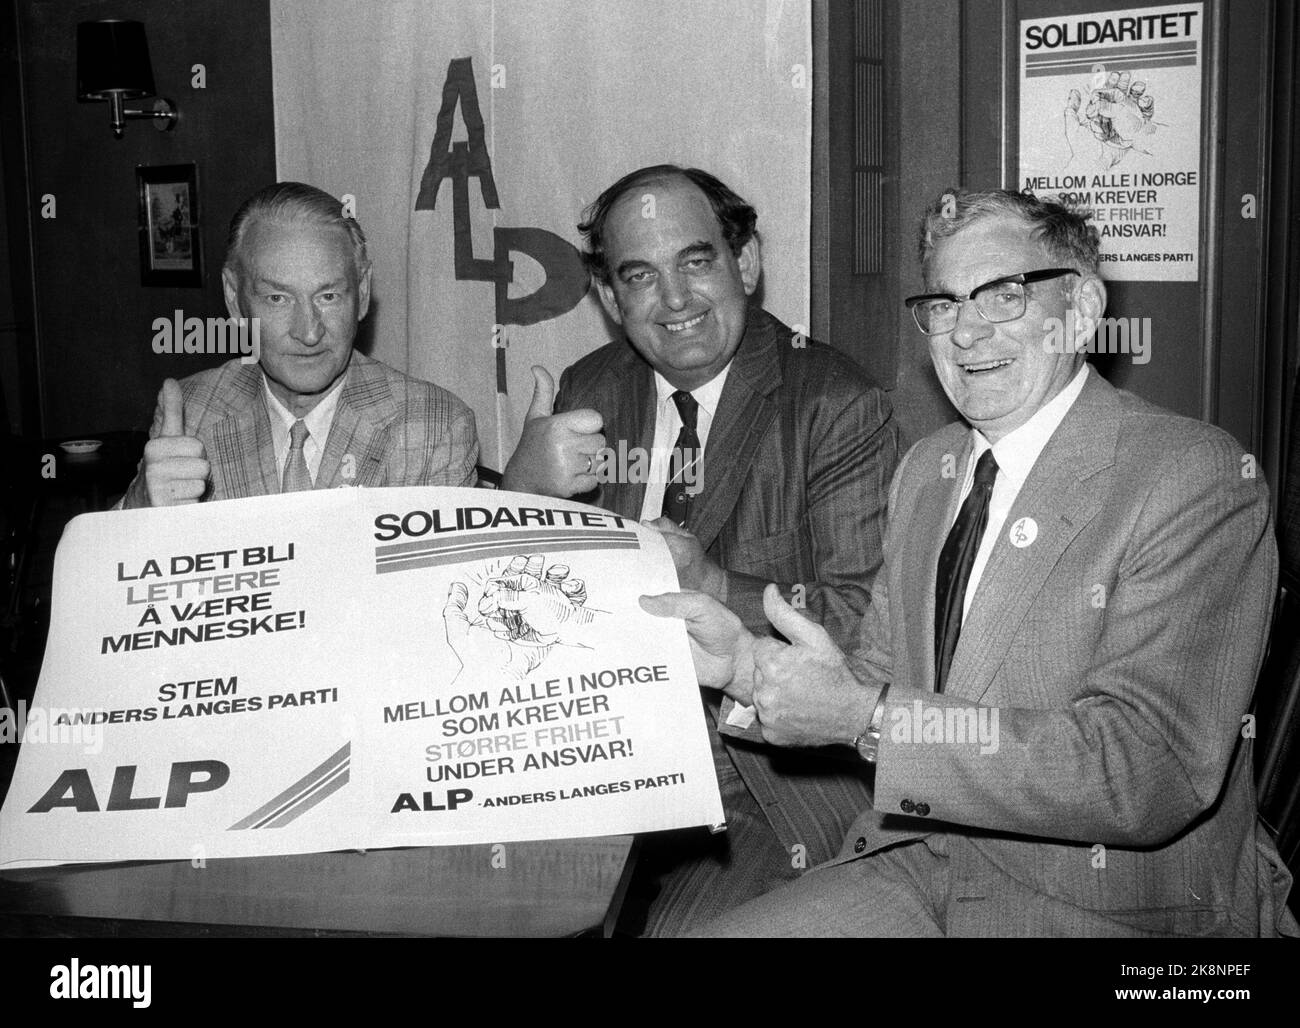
296 476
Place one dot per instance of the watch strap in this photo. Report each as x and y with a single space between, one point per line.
868 741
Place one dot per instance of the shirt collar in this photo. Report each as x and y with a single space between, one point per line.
707 395
1017 451
318 419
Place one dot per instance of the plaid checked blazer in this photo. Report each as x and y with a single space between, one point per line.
795 480
388 429
1120 648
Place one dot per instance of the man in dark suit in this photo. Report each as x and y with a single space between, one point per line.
768 456
1062 643
312 413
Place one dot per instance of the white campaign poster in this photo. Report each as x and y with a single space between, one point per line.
1110 120
356 669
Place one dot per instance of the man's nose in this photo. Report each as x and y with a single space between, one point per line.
674 291
970 327
308 327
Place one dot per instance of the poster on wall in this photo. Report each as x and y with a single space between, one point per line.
355 669
1110 121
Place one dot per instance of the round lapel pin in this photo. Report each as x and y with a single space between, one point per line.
1023 532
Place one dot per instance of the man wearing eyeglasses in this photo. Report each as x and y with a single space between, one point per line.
1063 640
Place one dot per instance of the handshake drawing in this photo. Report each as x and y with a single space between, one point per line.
519 613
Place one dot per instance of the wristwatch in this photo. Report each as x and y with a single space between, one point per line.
868 742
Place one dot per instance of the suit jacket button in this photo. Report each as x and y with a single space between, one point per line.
908 806
860 845
922 810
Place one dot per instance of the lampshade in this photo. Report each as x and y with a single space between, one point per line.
113 56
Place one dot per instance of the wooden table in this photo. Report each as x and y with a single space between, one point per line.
528 889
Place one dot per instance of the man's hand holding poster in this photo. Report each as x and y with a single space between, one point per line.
355 669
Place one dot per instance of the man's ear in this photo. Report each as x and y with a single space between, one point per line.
363 293
609 301
750 260
1090 304
230 289
1090 296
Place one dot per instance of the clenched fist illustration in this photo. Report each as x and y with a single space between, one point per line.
1118 116
520 613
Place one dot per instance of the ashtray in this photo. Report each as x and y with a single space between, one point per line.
81 447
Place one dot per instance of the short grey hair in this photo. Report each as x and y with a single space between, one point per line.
288 201
1065 233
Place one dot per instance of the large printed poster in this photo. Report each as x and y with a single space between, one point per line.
1110 120
356 669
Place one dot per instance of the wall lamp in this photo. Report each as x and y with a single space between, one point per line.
113 65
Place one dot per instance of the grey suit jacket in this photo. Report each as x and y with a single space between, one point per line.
1119 650
796 474
388 429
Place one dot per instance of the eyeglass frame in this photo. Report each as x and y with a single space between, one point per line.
1021 278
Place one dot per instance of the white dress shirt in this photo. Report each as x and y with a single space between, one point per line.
1016 453
668 423
318 419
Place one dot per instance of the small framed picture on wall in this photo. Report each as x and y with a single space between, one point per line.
170 249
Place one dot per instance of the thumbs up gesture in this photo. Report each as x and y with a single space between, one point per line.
557 453
804 692
175 466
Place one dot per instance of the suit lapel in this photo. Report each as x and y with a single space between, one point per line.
742 418
1061 500
241 442
923 539
354 451
265 448
632 424
339 464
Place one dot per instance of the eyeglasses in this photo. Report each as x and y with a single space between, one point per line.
1003 299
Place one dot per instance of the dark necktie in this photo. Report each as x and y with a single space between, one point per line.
682 470
955 563
296 476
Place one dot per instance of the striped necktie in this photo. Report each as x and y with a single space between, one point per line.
681 464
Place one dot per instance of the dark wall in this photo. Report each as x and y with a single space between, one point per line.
10 401
929 36
93 316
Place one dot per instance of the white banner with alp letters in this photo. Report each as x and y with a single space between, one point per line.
469 135
355 669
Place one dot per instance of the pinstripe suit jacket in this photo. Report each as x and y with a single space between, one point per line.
796 475
1120 650
388 429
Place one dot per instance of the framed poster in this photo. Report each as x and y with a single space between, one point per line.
1110 121
170 250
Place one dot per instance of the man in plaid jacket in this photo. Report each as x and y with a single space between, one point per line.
312 413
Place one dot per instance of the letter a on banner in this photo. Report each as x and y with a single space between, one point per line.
460 162
566 275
